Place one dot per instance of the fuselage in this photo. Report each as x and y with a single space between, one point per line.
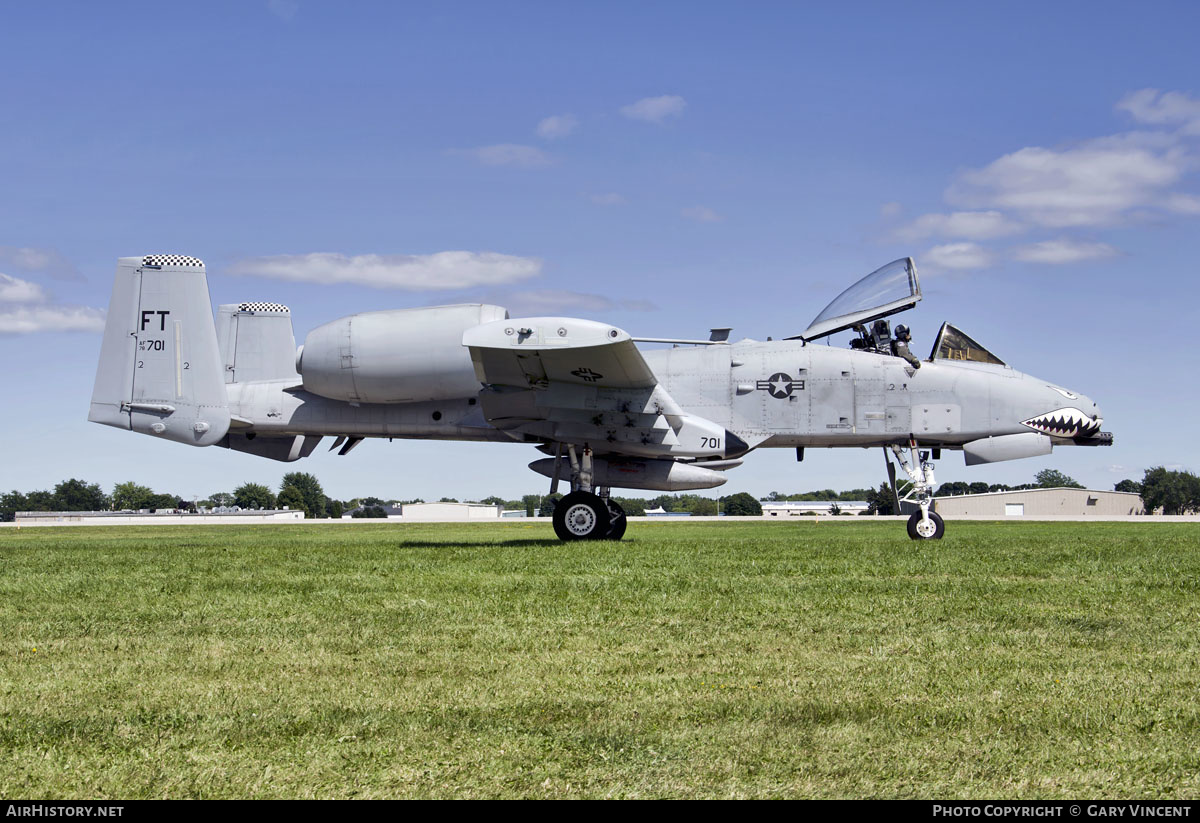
771 394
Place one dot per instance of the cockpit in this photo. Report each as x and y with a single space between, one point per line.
889 290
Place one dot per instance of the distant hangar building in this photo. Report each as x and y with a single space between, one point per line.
440 512
1060 502
807 508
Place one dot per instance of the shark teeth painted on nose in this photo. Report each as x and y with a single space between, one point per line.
1068 422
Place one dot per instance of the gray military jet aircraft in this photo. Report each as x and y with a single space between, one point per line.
607 414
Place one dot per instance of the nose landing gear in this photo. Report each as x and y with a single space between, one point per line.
925 524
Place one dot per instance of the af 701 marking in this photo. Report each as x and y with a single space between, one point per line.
605 413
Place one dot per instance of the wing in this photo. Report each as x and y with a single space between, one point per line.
576 381
535 351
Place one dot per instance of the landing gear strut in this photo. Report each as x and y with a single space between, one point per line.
925 524
583 514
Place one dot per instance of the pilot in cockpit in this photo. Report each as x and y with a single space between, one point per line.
900 346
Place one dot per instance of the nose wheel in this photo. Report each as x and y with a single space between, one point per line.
926 528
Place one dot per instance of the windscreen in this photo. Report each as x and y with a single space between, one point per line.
952 344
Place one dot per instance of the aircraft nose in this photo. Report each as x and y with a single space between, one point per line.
1088 406
1089 433
1067 414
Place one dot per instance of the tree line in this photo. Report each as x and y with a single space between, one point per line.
302 491
1174 492
298 490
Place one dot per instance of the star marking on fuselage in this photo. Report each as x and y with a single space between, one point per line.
780 385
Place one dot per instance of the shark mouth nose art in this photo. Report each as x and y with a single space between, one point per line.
1068 422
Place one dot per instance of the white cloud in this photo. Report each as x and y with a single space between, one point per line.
412 272
610 199
16 290
30 319
958 256
557 126
892 209
507 154
558 301
43 261
702 214
1171 108
655 109
1141 175
23 304
968 225
1064 250
1097 182
1183 204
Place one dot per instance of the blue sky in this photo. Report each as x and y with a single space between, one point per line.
665 167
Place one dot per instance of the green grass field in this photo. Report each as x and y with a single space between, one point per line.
1010 660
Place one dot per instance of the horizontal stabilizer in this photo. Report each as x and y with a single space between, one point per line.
285 449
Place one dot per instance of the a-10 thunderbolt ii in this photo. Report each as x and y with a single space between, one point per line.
607 414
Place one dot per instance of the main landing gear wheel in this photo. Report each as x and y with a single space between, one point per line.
922 529
582 516
617 522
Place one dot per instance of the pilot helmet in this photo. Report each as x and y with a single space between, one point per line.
902 333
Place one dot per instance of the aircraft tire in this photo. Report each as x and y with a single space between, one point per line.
919 531
581 516
617 522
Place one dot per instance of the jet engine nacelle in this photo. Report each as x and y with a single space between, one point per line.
397 356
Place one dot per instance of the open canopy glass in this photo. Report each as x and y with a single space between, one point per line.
887 290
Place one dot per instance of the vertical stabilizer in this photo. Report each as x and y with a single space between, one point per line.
256 342
160 370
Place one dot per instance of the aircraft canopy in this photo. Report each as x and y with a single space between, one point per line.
887 290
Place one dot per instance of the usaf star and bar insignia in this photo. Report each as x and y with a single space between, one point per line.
780 385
